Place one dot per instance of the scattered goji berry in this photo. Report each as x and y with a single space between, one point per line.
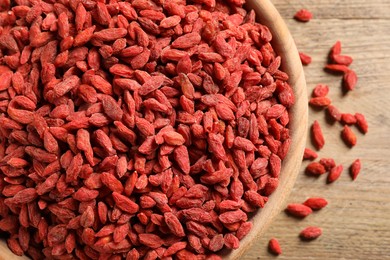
348 136
361 122
310 233
320 90
320 101
305 59
334 173
355 169
315 168
274 246
303 15
316 203
349 80
298 210
309 154
317 136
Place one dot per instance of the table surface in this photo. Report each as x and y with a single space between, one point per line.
356 222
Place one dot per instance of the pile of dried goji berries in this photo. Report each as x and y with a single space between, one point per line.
139 129
338 63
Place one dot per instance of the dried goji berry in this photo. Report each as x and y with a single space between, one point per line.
317 136
303 15
355 169
334 173
316 203
361 122
298 210
310 233
305 59
274 246
315 168
309 154
348 136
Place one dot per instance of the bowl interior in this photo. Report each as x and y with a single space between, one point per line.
284 45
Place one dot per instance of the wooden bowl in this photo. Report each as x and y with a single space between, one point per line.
284 45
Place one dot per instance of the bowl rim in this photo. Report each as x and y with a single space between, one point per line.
284 45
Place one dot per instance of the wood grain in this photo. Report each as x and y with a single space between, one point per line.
356 222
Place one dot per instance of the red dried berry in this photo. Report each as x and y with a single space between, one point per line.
328 163
303 15
310 233
305 59
320 90
342 59
361 122
334 173
337 68
355 169
315 169
319 101
309 154
336 49
334 113
348 136
298 210
317 136
316 203
349 80
348 119
274 246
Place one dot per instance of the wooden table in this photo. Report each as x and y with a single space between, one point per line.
356 223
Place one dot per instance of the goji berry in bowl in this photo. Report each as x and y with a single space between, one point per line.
146 128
